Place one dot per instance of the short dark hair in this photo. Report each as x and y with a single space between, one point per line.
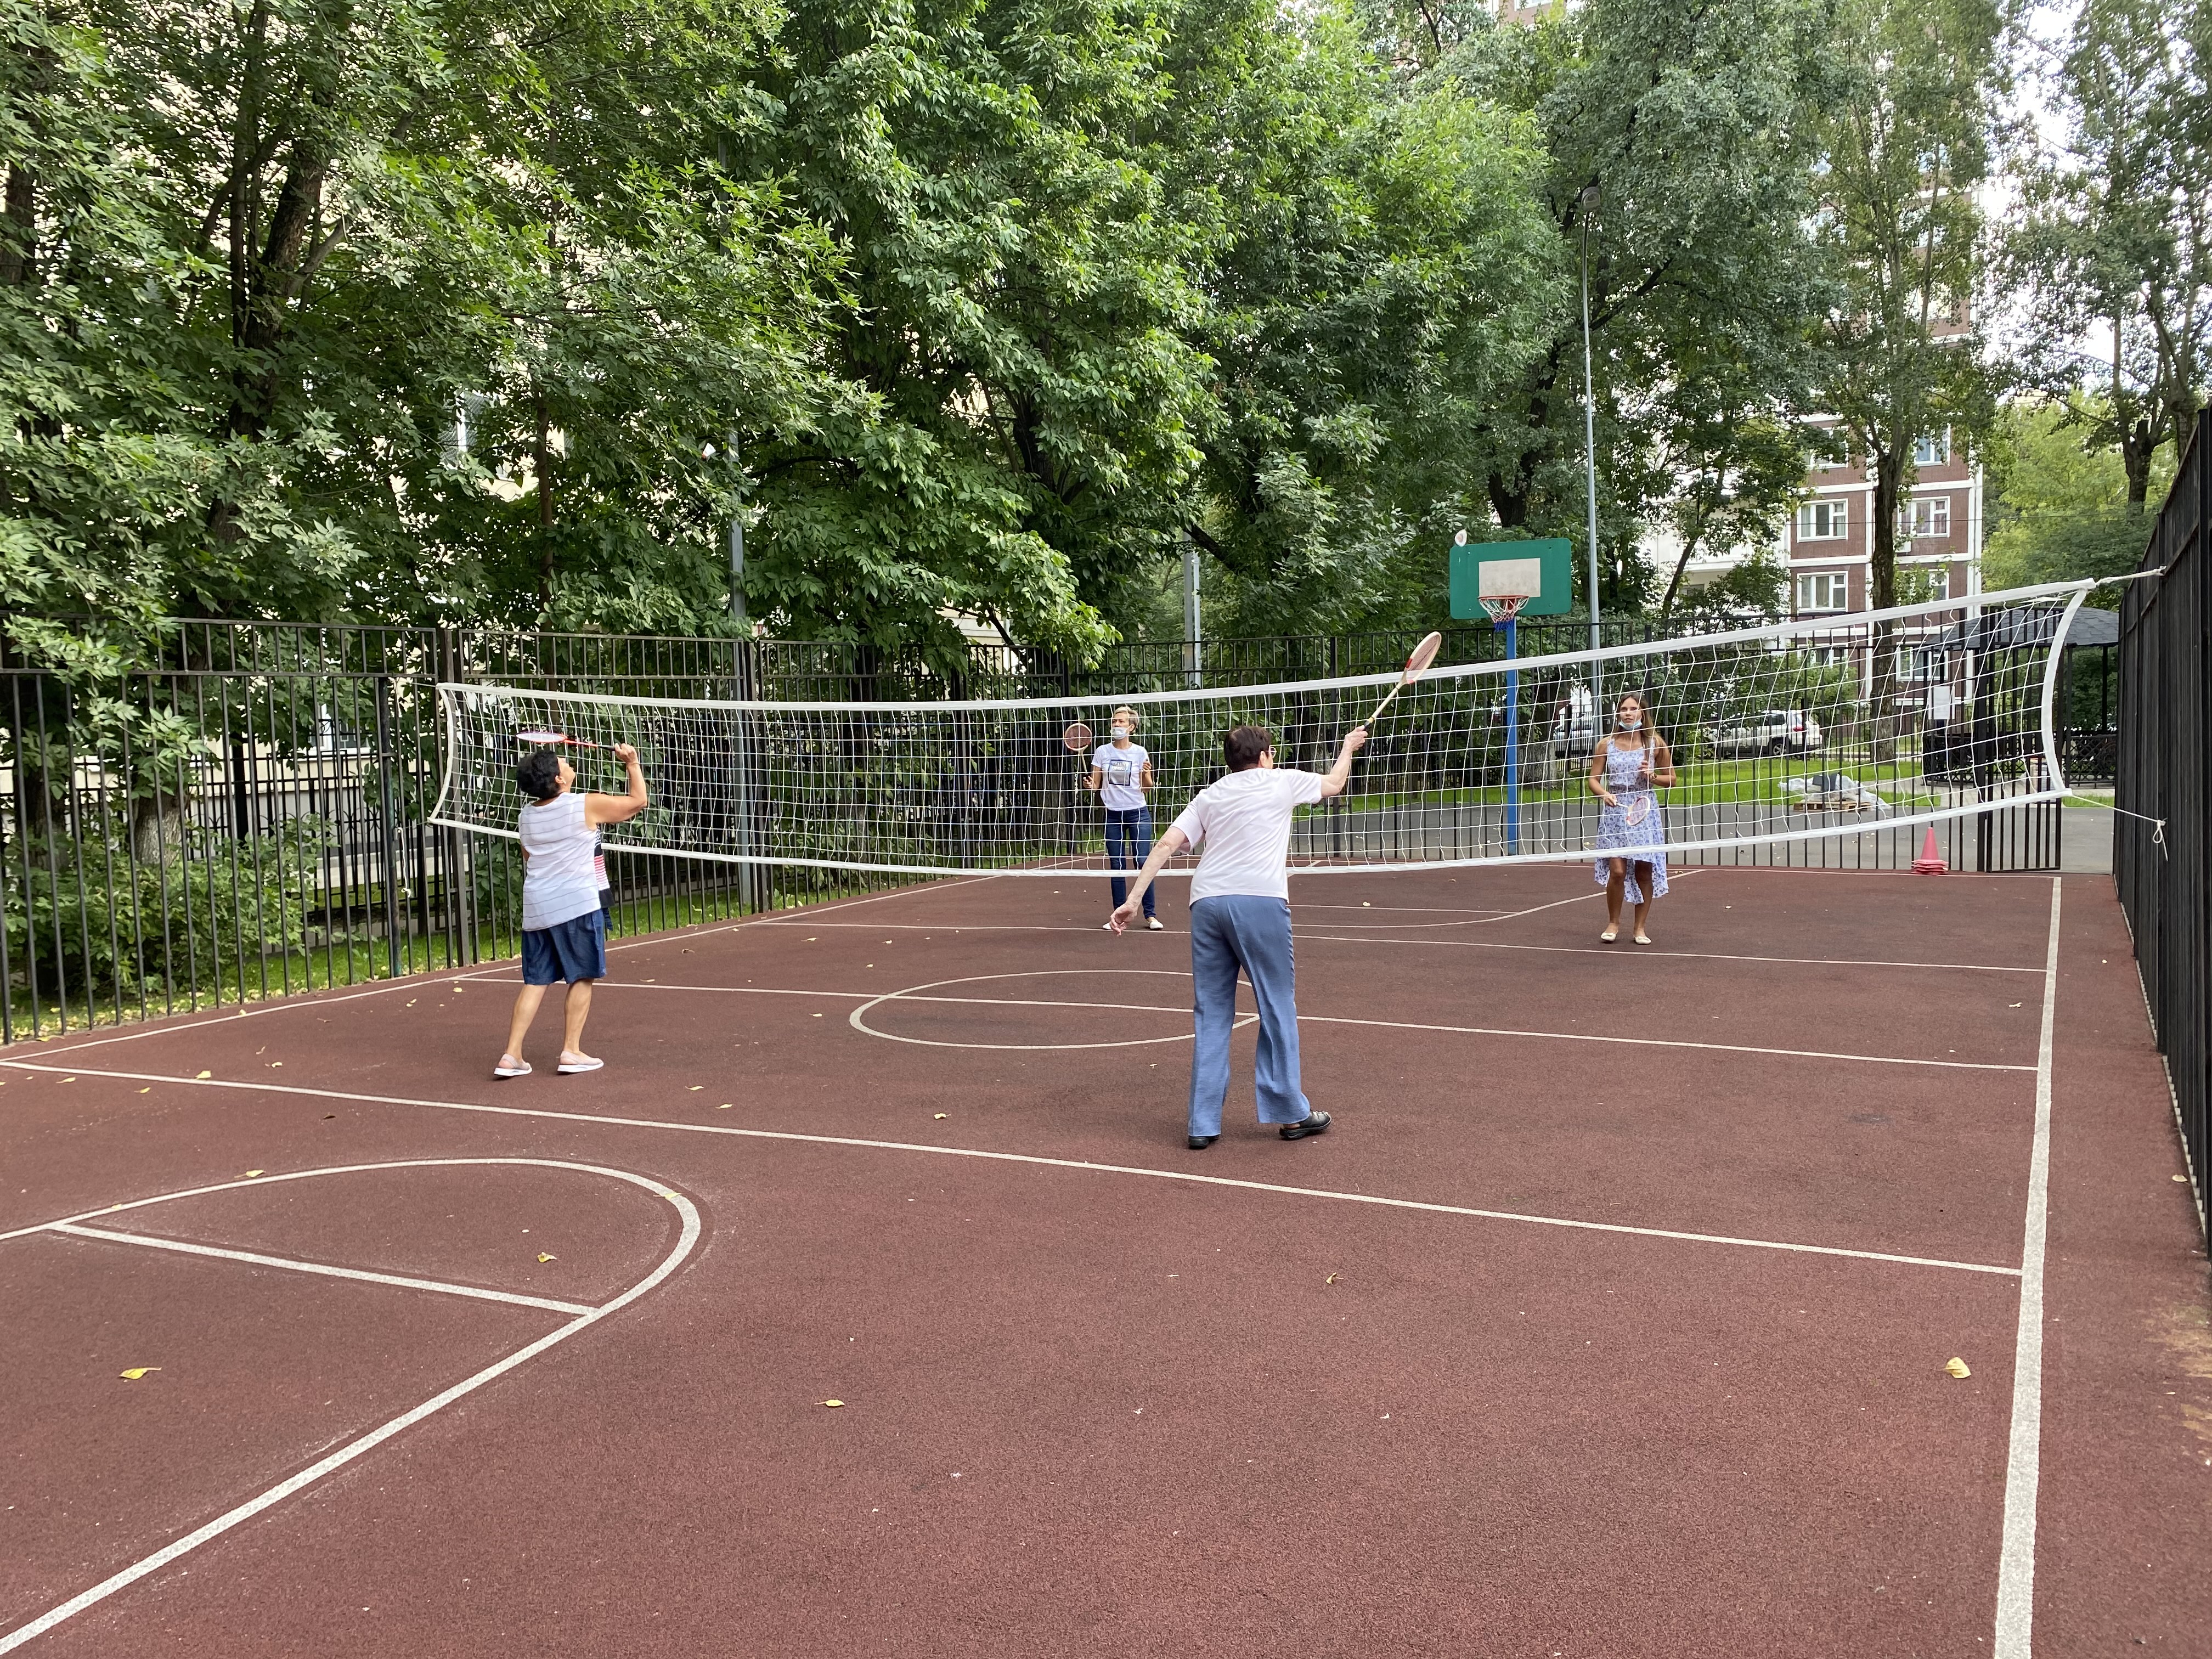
1244 745
539 774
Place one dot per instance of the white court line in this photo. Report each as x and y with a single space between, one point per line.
1662 954
147 1240
277 1494
472 972
602 1120
2023 1456
871 999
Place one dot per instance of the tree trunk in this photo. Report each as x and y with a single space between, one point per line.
1887 463
542 456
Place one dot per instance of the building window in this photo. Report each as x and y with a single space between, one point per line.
1926 516
1932 451
1823 521
1831 590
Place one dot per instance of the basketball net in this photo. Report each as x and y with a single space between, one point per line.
1504 607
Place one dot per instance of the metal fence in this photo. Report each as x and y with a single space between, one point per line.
244 814
2164 726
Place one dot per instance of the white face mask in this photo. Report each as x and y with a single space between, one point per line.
1121 733
1630 722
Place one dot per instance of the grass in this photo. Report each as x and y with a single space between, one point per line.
1759 779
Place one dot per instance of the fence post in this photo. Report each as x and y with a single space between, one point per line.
388 841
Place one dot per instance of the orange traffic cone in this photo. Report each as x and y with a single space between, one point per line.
1931 862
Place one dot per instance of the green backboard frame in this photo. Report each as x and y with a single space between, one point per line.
1554 554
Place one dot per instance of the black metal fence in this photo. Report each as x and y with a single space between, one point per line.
246 813
2164 726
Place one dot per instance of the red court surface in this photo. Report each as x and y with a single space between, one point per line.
1610 1319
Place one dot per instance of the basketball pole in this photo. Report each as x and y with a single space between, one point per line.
1512 627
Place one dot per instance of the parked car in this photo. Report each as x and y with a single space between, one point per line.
1773 731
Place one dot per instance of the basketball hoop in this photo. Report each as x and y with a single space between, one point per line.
1504 607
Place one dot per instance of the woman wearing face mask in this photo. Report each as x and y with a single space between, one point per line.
1631 761
1120 773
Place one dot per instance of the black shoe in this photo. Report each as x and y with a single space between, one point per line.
1199 1143
1312 1124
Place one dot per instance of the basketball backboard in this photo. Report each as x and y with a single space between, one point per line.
1542 569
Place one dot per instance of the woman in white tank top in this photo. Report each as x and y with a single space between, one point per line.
563 929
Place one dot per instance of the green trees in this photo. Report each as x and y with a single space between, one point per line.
1907 147
2112 238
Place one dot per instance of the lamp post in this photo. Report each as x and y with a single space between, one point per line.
1589 205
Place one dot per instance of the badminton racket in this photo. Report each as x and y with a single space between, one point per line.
1416 666
1077 738
1637 811
545 734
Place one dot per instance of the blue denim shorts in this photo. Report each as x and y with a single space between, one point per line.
572 950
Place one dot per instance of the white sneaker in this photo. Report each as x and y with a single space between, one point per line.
1156 923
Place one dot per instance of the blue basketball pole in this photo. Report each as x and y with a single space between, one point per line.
1512 737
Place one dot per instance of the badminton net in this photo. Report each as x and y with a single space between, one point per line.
1820 727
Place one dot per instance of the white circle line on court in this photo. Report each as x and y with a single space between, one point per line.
912 993
871 999
599 1120
687 1239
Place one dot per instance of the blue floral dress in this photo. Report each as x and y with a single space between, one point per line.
1637 843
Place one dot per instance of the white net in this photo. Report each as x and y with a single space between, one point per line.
1823 728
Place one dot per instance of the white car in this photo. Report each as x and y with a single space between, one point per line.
1773 731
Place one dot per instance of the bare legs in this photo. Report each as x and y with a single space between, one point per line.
1616 884
577 1009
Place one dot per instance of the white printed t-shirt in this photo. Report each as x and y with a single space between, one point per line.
1240 826
559 884
1122 789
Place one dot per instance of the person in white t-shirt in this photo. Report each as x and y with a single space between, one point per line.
564 924
1240 917
1120 773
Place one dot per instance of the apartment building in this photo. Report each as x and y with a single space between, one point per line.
1828 545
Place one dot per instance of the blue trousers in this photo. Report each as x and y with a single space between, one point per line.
1128 844
1247 931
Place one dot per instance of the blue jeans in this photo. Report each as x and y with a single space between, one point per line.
1247 931
1128 844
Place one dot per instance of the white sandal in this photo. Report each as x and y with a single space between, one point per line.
1608 936
1643 939
520 1068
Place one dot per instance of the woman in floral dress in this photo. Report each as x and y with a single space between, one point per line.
1631 761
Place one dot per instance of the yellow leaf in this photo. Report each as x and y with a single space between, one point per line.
833 1402
249 1174
724 1107
147 1091
1332 1278
207 1074
541 1257
136 1372
696 1087
943 1115
1957 1367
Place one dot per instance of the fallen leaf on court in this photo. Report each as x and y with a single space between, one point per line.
2015 1004
541 1257
1957 1367
696 1087
249 1174
941 1114
327 1116
1332 1278
1366 904
147 1090
833 1402
724 1107
136 1372
2176 1177
206 1074
668 1195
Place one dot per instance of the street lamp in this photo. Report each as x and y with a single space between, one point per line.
1589 205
